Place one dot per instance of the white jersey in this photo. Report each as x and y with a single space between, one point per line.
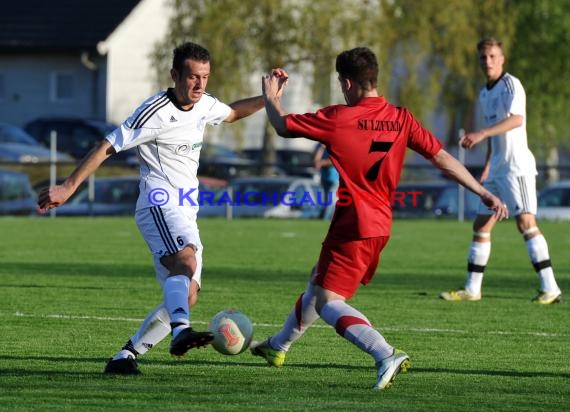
168 140
510 154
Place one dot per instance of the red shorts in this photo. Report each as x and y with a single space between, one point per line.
344 265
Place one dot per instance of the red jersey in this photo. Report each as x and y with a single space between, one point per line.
367 145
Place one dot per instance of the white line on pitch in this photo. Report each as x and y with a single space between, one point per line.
270 325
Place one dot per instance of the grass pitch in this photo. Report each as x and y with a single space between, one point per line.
72 291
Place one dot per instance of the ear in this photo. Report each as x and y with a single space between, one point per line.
347 83
174 75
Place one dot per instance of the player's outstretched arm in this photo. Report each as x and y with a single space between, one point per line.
273 85
456 171
54 196
244 107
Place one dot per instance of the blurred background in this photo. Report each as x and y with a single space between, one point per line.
72 71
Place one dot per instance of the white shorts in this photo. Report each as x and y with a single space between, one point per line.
518 192
168 231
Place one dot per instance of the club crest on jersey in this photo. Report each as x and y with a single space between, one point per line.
183 149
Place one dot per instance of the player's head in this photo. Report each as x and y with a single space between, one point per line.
190 72
360 67
491 57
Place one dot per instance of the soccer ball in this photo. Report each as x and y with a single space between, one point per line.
232 331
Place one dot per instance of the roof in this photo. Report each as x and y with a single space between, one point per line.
60 25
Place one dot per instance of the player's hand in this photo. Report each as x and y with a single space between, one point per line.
274 83
496 205
52 196
469 140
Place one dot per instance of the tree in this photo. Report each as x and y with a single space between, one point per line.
540 57
426 51
435 58
248 36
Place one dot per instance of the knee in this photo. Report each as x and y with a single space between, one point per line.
181 263
526 224
192 299
321 299
187 265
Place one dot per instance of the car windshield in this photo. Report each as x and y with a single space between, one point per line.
12 134
111 192
104 128
14 187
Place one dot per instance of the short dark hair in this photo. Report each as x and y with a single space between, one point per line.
489 42
359 65
190 51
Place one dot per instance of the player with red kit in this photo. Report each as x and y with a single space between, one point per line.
367 140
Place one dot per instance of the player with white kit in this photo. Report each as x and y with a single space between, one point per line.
167 129
510 172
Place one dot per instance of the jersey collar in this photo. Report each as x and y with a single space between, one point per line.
371 100
492 84
172 97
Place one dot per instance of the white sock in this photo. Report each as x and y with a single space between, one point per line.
176 290
154 329
479 253
354 327
540 258
302 316
124 354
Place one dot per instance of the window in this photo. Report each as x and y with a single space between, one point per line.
62 87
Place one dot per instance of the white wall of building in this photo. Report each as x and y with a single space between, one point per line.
128 49
29 91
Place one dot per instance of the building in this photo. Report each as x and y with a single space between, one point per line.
88 58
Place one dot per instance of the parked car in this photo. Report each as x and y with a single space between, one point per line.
16 194
280 197
447 204
292 162
113 196
76 136
17 146
432 199
554 201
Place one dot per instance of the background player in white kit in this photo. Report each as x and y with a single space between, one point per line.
167 129
510 173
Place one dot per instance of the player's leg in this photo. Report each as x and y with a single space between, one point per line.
479 252
355 327
302 316
330 208
342 267
177 300
524 189
154 328
172 234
